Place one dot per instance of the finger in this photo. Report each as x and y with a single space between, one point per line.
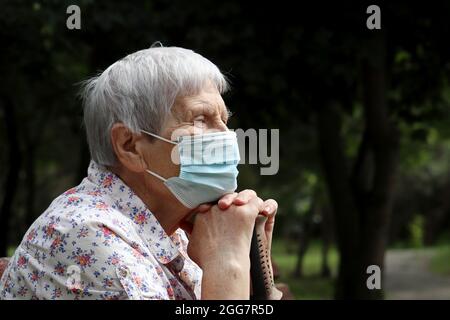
258 204
244 197
270 208
226 201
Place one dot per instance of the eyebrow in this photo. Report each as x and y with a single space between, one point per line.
216 106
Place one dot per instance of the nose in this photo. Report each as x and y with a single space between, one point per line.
218 126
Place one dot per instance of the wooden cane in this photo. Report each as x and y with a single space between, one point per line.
260 265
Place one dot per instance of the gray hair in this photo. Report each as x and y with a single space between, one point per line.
139 91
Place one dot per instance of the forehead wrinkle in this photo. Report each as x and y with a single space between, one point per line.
187 109
222 108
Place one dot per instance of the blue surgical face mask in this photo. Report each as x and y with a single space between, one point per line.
208 167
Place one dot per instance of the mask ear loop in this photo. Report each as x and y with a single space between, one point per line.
156 175
163 139
159 137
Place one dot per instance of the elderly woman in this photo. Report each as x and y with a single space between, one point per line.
162 154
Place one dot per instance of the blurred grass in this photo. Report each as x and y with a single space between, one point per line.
311 285
440 263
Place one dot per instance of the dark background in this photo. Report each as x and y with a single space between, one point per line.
363 115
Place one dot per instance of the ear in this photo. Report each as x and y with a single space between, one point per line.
124 142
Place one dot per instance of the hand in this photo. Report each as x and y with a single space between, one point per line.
214 233
241 198
214 246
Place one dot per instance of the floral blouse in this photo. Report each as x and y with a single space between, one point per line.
99 241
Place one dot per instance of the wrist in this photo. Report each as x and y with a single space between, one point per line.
226 279
227 263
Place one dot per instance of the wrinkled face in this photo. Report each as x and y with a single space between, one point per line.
202 113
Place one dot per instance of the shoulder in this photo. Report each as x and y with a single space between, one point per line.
78 218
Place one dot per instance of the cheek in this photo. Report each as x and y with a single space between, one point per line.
169 160
158 156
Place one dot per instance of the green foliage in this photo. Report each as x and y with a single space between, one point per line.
11 251
416 231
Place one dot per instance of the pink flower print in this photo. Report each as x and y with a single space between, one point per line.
56 242
138 280
76 288
83 258
22 262
35 275
137 253
31 235
170 291
73 200
60 269
107 182
95 193
48 230
70 191
57 245
107 232
159 271
173 282
108 282
114 259
101 205
141 218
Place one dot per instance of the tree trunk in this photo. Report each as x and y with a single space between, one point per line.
305 237
383 139
346 215
362 200
303 244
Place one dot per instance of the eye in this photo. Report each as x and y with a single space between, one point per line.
200 121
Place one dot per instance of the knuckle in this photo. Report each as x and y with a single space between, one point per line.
230 195
273 202
247 212
249 192
257 203
260 201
